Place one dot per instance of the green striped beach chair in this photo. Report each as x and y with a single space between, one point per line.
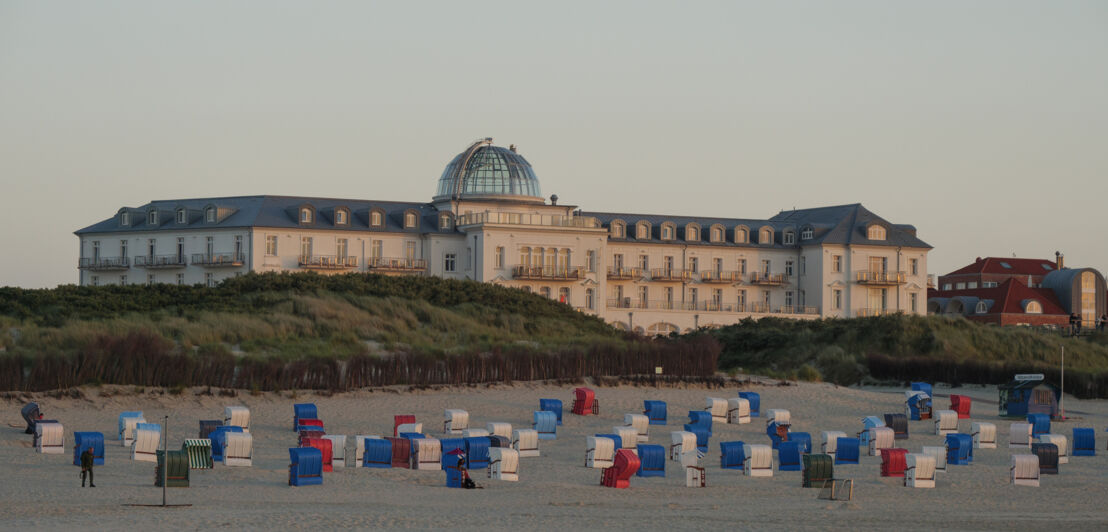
199 452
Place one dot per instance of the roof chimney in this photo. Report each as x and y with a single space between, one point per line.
1059 260
553 199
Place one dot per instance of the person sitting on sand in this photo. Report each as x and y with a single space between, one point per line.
467 482
87 459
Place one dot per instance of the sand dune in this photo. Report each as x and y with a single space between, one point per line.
554 491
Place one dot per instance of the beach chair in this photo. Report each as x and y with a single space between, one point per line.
847 451
238 416
755 401
780 416
1084 442
599 452
238 449
219 441
325 450
869 422
499 441
401 452
377 453
984 435
546 424
1061 442
1048 457
584 402
759 460
426 454
695 477
359 447
305 466
477 452
700 418
499 428
84 440
917 406
1025 470
49 437
880 438
731 455
403 419
920 471
1040 424
738 411
207 426
619 475
1019 436
640 423
717 407
946 422
552 405
199 453
338 449
303 411
628 437
655 411
176 467
456 421
652 460
702 437
127 423
939 452
961 405
412 428
475 433
308 432
818 468
894 462
451 464
503 464
959 449
923 387
777 433
803 440
526 442
788 456
683 447
899 424
829 441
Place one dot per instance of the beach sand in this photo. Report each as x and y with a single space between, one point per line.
555 491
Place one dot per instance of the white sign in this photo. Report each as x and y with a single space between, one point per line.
1030 377
657 370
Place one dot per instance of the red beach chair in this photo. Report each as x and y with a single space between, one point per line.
894 462
961 405
400 420
585 403
619 475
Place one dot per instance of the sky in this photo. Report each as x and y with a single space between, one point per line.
984 124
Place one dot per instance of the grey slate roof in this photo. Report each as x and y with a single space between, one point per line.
272 211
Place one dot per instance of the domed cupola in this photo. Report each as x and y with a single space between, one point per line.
489 172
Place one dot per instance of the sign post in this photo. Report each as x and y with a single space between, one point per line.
1062 399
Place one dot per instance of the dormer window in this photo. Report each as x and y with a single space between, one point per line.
341 218
209 215
692 233
806 233
376 218
152 217
444 220
182 216
305 215
1032 307
765 236
668 231
742 235
125 218
642 231
789 238
409 220
875 232
981 307
618 230
717 233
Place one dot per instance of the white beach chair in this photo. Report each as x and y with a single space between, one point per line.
1025 470
456 421
526 442
759 460
640 423
1063 446
1019 436
920 472
946 422
427 454
127 435
939 453
683 447
416 428
145 446
474 433
338 449
237 416
695 477
49 438
779 416
503 464
829 441
600 452
880 438
718 408
984 435
359 447
238 449
499 428
738 411
628 438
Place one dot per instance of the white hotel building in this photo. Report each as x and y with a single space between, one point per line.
489 222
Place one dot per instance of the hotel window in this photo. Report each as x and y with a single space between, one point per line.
340 217
718 265
448 262
180 250
342 246
694 264
790 238
971 285
305 247
692 298
789 268
617 261
788 298
182 216
667 231
565 260
644 262
238 247
1033 307
803 266
444 221
803 299
669 264
525 257
766 267
914 266
498 257
151 247
209 280
742 301
545 291
589 298
123 280
152 217
837 263
692 233
717 299
527 289
806 233
375 218
669 297
123 249
124 218
765 236
717 234
305 215
180 279
742 235
209 215
960 286
551 259
563 295
642 231
376 247
876 232
271 245
617 230
409 250
644 296
765 300
590 260
409 220
913 301
209 246
95 280
150 279
947 286
837 299
985 284
742 266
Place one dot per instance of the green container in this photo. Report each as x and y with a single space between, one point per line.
817 468
177 474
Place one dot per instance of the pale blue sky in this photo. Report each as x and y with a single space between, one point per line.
982 123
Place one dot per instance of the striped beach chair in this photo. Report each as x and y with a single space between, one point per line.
199 452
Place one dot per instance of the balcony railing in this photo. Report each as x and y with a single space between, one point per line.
160 261
103 263
670 274
868 312
720 277
624 274
515 218
768 279
757 308
218 260
706 306
328 262
881 278
539 273
787 309
393 264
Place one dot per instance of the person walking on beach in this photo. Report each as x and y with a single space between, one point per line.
1100 323
87 459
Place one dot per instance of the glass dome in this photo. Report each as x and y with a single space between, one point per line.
486 170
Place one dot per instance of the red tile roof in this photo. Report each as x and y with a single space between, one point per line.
1015 266
1008 297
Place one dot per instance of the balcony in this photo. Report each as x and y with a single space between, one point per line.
328 262
156 262
396 265
797 310
720 277
218 260
870 312
103 264
768 279
539 273
515 218
757 308
670 275
881 278
624 274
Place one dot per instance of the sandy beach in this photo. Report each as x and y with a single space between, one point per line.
554 491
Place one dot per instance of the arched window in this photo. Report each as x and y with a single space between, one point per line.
668 231
376 218
305 215
444 220
742 234
618 229
182 216
982 307
765 236
806 233
209 215
692 233
789 238
410 219
717 233
642 230
341 217
1033 307
663 329
875 232
124 218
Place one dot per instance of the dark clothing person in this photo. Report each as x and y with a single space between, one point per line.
87 459
1103 319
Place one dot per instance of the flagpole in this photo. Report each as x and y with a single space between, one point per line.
1062 401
